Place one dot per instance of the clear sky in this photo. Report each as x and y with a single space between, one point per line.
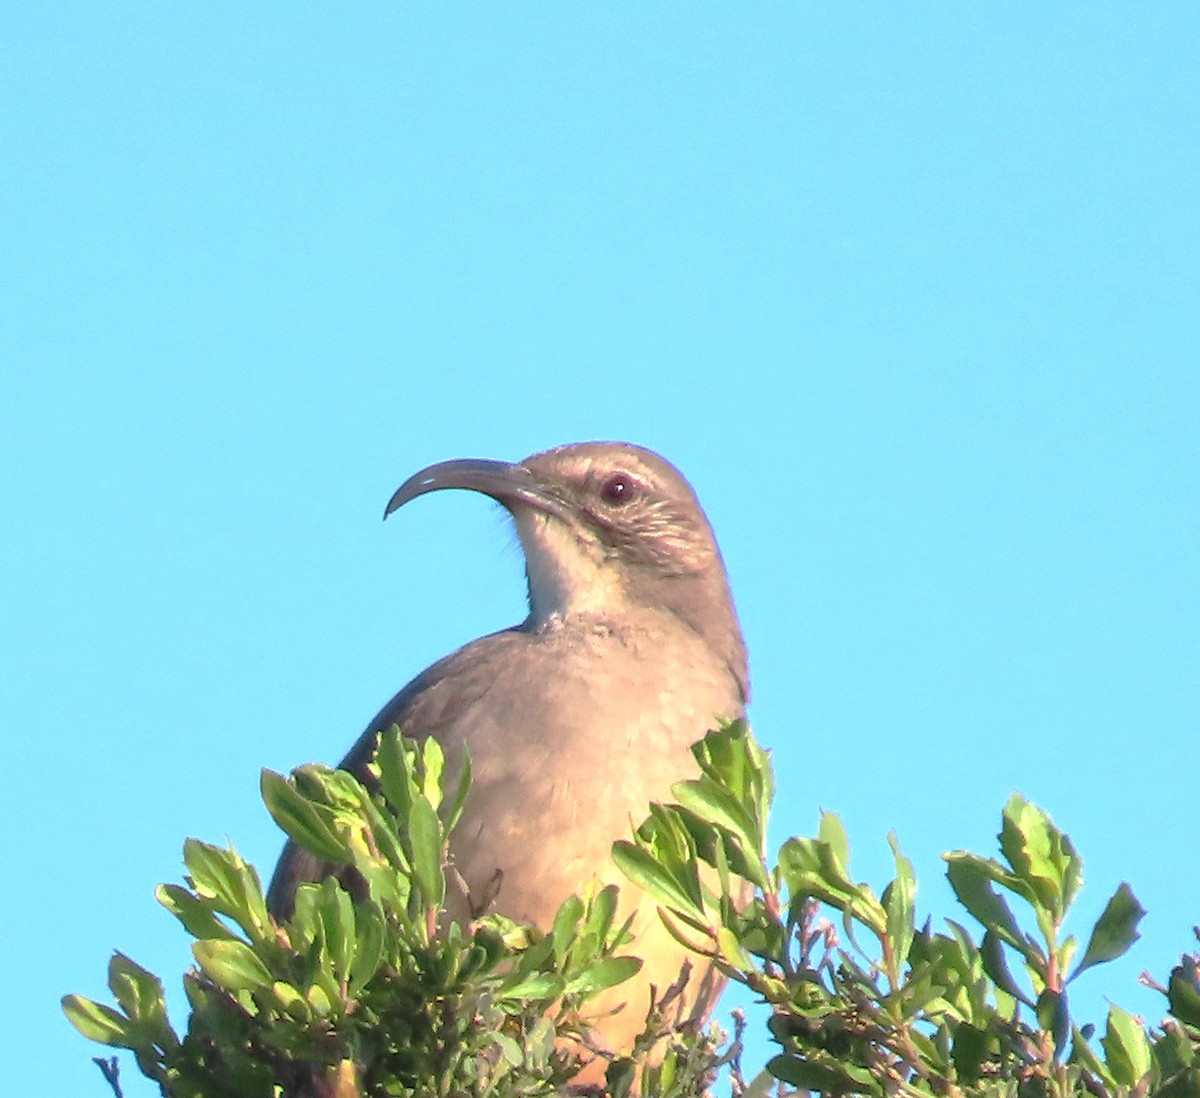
910 292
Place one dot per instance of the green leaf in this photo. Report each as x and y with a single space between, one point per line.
318 1001
1040 855
335 912
1115 931
732 952
640 866
968 1050
425 834
1174 1052
140 994
1054 1018
716 804
811 867
831 832
214 873
392 757
230 885
603 975
304 928
232 966
601 912
433 764
669 841
196 915
898 901
721 864
721 847
509 1049
291 1002
620 1076
1185 1084
1083 1053
730 758
537 986
368 950
300 819
971 879
698 941
1126 1049
98 1022
991 954
667 1073
1183 992
566 923
818 1077
460 792
372 836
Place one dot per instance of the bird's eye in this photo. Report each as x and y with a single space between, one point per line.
618 489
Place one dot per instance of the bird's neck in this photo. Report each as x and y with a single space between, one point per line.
573 581
566 578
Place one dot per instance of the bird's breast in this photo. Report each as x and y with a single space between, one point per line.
578 729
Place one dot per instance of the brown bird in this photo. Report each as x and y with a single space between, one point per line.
584 713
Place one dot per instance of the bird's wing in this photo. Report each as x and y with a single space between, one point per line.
428 706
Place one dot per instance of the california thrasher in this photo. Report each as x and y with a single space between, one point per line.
581 715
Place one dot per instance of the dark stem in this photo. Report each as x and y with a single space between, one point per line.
111 1070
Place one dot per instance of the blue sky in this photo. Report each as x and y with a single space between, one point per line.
909 293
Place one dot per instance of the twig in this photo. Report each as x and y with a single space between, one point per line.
111 1070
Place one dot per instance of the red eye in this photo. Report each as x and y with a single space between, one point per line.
618 489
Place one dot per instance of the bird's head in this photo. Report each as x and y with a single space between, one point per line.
605 527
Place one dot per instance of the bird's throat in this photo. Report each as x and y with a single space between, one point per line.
568 574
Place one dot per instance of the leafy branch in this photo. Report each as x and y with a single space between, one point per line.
371 994
865 1000
376 992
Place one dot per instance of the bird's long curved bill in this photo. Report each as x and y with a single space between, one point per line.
508 483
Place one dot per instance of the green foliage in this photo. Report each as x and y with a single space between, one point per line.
867 1000
370 995
379 994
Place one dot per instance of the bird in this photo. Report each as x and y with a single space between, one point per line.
580 716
